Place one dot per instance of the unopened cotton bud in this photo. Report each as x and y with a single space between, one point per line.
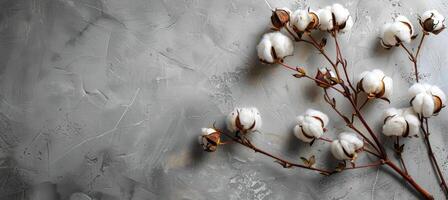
426 99
310 125
244 120
401 30
304 21
346 146
400 122
274 46
375 84
280 17
209 139
432 21
326 78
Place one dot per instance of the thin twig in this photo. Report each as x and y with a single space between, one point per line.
283 162
424 121
400 156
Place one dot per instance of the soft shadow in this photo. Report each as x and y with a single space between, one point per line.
379 50
293 145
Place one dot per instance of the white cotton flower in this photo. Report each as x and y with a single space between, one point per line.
274 46
304 20
375 84
244 120
311 125
325 19
209 139
401 30
346 146
432 21
427 100
400 122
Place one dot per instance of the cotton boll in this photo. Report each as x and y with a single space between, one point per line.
346 146
209 139
245 120
375 84
432 21
340 13
400 122
352 139
427 100
304 20
338 151
392 34
388 38
274 46
311 125
318 114
395 126
325 19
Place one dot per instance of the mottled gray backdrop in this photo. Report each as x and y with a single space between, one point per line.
104 99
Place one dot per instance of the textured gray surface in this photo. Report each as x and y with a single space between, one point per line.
106 97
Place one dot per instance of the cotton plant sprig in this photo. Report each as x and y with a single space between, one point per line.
298 26
425 99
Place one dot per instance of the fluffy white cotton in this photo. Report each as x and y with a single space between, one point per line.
400 122
274 47
427 99
345 147
335 17
401 30
432 21
375 84
244 120
348 25
311 125
301 20
341 14
325 19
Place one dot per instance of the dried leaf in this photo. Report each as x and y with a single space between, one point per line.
340 167
323 42
312 160
298 75
305 161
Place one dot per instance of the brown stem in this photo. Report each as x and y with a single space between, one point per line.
400 156
431 154
410 180
414 58
309 77
375 164
347 121
344 63
325 139
283 162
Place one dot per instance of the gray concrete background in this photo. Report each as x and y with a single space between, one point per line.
107 97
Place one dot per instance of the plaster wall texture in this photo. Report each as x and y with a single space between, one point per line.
107 98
